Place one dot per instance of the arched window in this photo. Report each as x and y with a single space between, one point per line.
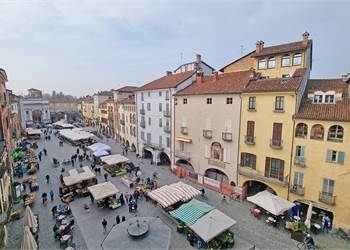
317 132
216 151
301 130
216 174
335 133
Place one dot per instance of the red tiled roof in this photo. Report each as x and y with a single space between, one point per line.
232 82
128 89
104 93
168 81
129 100
340 111
282 48
276 84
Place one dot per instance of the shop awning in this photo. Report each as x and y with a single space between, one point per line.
99 146
184 139
190 212
63 124
99 153
75 177
76 134
271 203
103 190
212 224
114 159
32 131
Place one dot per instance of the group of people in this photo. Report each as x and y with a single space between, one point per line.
118 220
40 155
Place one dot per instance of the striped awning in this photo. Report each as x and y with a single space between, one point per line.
168 195
190 212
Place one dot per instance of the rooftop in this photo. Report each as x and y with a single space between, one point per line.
128 89
129 100
282 48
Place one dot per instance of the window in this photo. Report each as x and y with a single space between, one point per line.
216 151
317 132
286 60
149 94
160 107
252 103
160 140
250 132
279 103
160 93
184 101
301 130
142 98
299 151
298 179
148 106
335 157
262 63
27 112
328 186
168 142
297 59
149 121
182 146
274 168
167 95
149 137
272 62
209 101
335 133
318 98
142 135
229 100
160 122
329 99
276 135
248 160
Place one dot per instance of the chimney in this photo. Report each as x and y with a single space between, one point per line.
214 76
259 46
168 73
198 62
346 78
200 77
252 73
306 37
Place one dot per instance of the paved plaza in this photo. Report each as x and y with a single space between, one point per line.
88 234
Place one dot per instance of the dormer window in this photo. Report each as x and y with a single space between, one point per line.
262 63
329 99
318 98
297 59
271 62
286 60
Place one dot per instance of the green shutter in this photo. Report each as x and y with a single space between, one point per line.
329 156
302 151
341 156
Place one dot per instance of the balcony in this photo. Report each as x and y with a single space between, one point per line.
166 113
156 146
227 136
250 140
216 163
327 198
184 130
259 175
207 133
276 143
183 155
299 161
167 129
298 190
142 111
122 122
142 124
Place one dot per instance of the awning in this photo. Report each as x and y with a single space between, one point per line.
212 224
190 212
184 139
114 159
28 242
99 153
63 124
271 203
75 177
99 146
75 134
29 219
103 190
168 195
32 131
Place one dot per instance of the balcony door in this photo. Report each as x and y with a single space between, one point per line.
277 134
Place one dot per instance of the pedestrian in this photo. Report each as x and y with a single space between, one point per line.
24 186
106 176
126 150
45 151
91 198
39 156
62 170
72 160
130 199
121 199
44 197
127 196
47 179
123 218
77 150
54 211
117 219
51 193
104 225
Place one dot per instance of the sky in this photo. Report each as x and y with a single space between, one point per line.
80 47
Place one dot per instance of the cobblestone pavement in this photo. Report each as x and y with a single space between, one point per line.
249 232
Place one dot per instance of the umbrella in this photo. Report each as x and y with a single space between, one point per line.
308 216
29 219
28 242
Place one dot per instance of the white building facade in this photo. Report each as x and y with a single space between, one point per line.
99 98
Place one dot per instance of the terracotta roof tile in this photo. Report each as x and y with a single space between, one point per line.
276 84
340 111
129 100
282 48
128 89
169 81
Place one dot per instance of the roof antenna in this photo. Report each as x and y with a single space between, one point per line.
242 47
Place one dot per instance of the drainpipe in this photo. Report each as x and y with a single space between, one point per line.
239 137
172 148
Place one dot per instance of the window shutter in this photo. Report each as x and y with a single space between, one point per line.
225 154
228 126
267 166
250 128
206 151
341 156
208 123
253 161
329 156
281 173
277 131
242 159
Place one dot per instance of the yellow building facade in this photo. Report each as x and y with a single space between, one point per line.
88 110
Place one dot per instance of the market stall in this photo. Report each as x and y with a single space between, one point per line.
116 164
99 147
62 125
32 133
105 194
76 136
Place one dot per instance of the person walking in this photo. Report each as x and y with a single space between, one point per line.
44 197
106 176
47 179
39 156
123 218
127 196
104 225
54 211
51 193
121 199
77 151
117 219
45 151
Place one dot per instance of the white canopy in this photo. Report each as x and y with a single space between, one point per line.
75 134
103 190
75 177
271 203
63 124
99 146
114 159
168 195
29 219
99 153
32 131
212 224
28 242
